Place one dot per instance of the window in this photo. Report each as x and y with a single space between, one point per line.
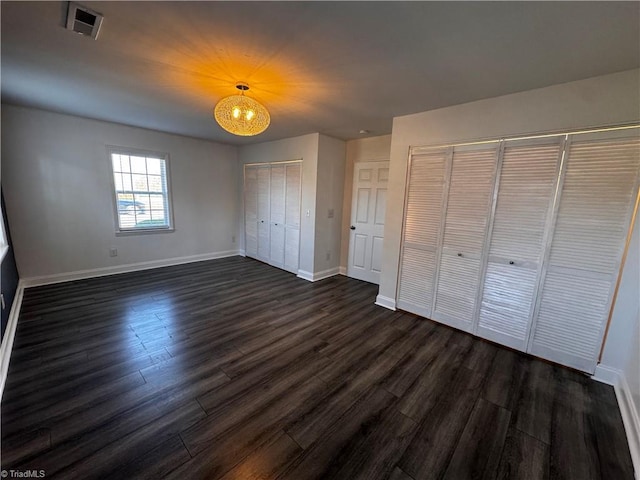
141 187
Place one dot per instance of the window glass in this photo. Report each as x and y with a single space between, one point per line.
141 191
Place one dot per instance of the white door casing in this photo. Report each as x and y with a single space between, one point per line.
367 220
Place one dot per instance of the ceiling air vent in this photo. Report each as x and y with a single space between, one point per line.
83 20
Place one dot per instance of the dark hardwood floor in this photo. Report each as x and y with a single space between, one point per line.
233 369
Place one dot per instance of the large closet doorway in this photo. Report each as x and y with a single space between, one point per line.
272 213
520 241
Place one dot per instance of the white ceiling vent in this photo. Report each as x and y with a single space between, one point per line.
83 20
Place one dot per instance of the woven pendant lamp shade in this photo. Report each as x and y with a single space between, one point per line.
242 115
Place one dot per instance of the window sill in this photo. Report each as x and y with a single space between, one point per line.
143 231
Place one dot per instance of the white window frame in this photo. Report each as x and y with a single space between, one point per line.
120 231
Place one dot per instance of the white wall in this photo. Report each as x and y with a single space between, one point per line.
372 149
606 100
303 148
622 348
331 165
57 185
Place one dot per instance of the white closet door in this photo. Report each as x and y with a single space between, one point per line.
251 211
264 248
277 242
272 213
426 191
525 191
467 213
598 193
293 183
277 214
291 249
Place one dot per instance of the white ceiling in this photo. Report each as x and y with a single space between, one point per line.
329 67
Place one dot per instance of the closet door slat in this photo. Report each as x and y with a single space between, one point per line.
264 247
526 187
422 230
293 184
251 211
597 197
469 200
470 193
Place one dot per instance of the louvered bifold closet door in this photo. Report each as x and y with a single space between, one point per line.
264 180
293 183
251 211
277 214
473 171
599 190
426 191
525 191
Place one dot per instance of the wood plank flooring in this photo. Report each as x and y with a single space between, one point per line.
232 369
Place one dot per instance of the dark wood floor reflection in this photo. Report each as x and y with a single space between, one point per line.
233 369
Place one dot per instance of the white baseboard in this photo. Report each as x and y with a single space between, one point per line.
605 374
314 277
326 274
386 302
628 409
303 274
9 335
130 267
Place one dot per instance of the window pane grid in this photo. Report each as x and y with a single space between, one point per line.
141 188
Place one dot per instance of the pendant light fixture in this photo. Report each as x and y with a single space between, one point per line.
242 115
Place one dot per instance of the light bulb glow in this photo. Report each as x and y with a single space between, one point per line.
242 115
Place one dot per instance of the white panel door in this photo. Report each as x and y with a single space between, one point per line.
525 191
293 183
251 211
599 190
277 216
264 180
422 232
367 220
473 170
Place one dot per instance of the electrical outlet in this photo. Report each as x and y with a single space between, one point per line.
330 213
308 212
328 256
113 252
233 239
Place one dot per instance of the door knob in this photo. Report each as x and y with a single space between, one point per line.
352 227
